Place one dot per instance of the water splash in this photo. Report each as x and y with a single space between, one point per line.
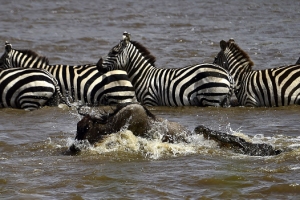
126 141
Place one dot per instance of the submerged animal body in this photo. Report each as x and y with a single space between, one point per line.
269 87
140 120
236 143
134 117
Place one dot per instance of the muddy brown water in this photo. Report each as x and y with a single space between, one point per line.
33 164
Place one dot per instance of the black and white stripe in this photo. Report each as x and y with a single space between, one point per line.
28 89
196 85
269 87
84 83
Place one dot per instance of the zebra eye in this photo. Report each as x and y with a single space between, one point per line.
116 49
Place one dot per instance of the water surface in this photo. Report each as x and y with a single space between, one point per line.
33 163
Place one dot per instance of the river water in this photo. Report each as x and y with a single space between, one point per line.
33 162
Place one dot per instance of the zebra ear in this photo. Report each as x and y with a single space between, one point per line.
99 63
126 36
100 66
231 40
7 47
223 45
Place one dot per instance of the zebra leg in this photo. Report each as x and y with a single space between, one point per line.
54 100
225 102
205 100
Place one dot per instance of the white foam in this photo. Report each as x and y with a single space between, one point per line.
126 141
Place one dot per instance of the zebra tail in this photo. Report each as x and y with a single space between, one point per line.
64 99
227 101
231 80
55 82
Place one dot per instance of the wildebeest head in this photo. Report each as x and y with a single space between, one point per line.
133 117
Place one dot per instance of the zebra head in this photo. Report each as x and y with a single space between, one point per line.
232 56
221 59
117 57
22 58
5 61
235 60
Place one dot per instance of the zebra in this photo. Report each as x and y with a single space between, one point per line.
28 89
195 85
83 83
259 88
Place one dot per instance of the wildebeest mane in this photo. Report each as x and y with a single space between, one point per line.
105 116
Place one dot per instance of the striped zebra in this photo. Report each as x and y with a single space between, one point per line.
196 85
269 87
28 89
84 83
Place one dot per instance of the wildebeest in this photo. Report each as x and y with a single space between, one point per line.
140 120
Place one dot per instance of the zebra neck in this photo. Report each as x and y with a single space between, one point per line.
141 78
240 66
138 73
140 64
20 59
239 74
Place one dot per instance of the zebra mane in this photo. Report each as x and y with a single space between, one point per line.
241 51
31 53
145 52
